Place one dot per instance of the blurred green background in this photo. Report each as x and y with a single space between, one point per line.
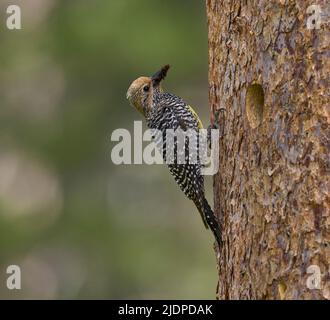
78 225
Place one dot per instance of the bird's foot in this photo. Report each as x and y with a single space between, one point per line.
215 126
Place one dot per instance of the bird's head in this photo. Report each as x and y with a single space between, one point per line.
140 93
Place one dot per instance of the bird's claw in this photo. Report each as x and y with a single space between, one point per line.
214 125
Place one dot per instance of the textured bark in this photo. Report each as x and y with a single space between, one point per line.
271 74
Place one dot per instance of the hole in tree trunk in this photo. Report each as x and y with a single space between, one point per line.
254 104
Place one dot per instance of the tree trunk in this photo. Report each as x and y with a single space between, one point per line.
269 69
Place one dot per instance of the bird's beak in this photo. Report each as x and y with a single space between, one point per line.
159 75
128 95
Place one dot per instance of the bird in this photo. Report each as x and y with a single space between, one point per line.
164 111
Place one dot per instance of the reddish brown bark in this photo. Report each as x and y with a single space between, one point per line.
272 193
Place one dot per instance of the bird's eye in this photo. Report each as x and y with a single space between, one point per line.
146 88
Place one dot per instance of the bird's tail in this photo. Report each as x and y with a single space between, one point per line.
209 218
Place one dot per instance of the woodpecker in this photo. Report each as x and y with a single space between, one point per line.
163 111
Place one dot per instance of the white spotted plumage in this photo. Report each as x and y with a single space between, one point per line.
171 112
164 111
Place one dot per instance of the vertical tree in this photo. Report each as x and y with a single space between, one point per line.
269 69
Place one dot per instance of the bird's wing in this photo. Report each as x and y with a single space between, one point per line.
188 120
198 120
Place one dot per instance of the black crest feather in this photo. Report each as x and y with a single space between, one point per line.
160 75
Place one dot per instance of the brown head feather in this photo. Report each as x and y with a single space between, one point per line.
139 93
